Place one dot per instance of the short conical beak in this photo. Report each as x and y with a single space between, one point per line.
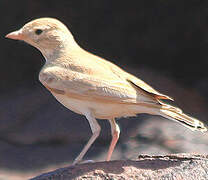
15 35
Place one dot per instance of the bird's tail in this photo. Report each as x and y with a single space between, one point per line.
176 114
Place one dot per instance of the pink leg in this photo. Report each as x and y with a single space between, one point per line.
115 131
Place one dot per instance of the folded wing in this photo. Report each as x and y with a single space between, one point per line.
83 86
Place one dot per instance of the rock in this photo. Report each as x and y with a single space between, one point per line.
173 166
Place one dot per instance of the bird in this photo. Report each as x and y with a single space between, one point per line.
93 86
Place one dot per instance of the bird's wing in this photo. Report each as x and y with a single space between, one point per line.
136 82
85 86
111 76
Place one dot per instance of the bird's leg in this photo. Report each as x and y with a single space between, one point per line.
115 131
95 127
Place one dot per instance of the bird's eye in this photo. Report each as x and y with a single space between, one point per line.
38 31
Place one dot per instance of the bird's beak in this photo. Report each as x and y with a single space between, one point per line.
18 35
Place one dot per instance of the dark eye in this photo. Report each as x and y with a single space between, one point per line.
38 31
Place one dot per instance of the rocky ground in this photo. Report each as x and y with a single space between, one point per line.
145 167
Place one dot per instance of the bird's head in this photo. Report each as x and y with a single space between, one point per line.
49 35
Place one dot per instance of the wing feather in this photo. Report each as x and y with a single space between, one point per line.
80 85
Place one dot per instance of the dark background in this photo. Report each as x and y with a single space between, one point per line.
164 43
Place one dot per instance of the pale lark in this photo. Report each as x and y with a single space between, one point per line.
92 86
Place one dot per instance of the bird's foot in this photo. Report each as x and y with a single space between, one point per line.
83 162
87 161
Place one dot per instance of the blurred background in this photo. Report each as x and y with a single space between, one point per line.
165 43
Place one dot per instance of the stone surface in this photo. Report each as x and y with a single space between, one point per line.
173 167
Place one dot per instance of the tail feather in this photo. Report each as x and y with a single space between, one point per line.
176 114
